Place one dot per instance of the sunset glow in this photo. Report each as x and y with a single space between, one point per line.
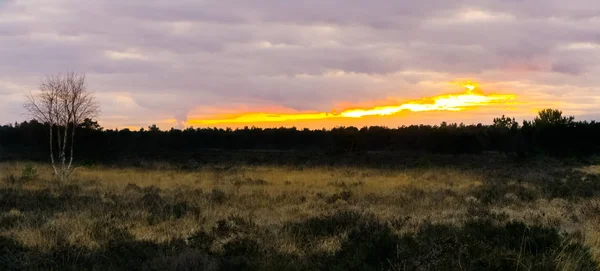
472 98
281 64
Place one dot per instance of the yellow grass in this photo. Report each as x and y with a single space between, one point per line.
273 196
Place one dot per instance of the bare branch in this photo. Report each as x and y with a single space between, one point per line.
64 102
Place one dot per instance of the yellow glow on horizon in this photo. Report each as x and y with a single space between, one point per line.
472 98
263 117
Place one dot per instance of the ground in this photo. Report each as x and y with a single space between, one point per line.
534 215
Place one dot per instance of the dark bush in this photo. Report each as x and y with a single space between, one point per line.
200 240
10 220
152 201
495 193
343 195
70 191
479 212
342 184
105 231
233 225
178 210
330 225
370 245
11 179
193 260
132 187
481 244
242 254
217 196
571 184
12 255
249 181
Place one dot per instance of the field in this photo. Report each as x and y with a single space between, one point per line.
535 215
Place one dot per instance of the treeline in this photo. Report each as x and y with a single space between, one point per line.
548 134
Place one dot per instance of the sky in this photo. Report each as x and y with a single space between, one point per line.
265 63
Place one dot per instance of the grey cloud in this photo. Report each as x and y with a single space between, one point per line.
306 55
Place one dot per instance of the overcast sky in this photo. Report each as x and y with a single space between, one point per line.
168 61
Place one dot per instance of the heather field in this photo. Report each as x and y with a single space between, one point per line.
536 215
300 135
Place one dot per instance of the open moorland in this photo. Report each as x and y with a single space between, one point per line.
539 214
332 135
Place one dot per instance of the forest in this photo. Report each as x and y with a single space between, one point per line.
549 134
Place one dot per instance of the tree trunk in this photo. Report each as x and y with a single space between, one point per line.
60 170
58 142
64 146
72 147
52 151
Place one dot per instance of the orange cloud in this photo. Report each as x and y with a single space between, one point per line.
472 98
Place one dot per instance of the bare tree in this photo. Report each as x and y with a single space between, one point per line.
62 103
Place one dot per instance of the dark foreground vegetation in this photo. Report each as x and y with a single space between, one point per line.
541 215
548 134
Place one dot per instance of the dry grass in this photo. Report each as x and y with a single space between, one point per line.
159 205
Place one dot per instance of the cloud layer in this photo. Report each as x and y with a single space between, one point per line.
166 61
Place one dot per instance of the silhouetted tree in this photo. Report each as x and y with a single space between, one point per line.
90 124
153 128
552 117
505 122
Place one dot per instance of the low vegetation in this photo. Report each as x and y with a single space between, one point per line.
537 215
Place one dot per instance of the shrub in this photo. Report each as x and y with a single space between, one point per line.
11 179
11 219
194 260
481 244
567 184
370 246
217 196
132 187
242 254
152 199
28 173
233 226
177 210
70 191
334 224
12 255
248 181
200 240
495 192
343 195
104 232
